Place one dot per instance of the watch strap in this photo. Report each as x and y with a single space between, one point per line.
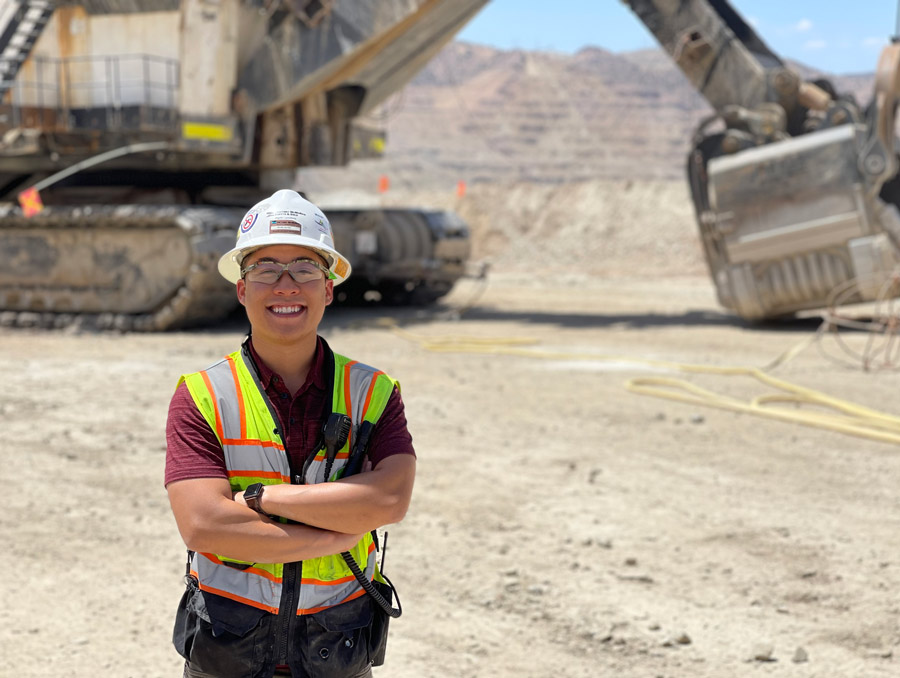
252 496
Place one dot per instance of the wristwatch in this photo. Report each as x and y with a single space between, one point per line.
253 495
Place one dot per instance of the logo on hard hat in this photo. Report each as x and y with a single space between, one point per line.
281 225
248 222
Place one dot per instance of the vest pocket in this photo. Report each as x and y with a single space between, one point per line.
378 629
220 637
337 641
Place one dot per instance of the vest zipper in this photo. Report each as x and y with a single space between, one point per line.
290 582
287 609
290 598
290 572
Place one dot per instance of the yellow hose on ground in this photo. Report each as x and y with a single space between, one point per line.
841 416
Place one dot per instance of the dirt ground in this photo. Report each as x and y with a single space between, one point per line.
560 525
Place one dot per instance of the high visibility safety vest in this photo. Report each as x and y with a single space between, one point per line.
230 397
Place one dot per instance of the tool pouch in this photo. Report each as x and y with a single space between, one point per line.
219 637
381 595
378 629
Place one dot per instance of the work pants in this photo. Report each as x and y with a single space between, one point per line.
189 673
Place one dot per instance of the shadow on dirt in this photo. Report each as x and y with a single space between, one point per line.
343 317
366 317
694 318
377 315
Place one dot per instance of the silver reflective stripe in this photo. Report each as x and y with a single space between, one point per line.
244 585
225 393
254 461
316 471
248 457
361 377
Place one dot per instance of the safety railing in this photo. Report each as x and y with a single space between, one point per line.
104 93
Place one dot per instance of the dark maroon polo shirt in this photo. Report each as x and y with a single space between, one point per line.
193 451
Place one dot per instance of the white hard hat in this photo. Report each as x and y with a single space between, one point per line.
284 219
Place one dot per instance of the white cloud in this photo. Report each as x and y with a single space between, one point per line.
874 43
804 25
815 44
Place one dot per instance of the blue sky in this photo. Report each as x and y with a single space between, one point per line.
836 37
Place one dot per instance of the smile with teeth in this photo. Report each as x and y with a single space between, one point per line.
285 310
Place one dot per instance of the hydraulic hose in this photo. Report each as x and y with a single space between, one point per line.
844 416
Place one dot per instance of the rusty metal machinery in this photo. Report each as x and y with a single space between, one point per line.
148 125
794 185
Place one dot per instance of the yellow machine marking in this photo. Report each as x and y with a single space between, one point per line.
203 130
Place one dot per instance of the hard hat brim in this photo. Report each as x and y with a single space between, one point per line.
230 262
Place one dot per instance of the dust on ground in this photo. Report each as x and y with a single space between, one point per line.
560 524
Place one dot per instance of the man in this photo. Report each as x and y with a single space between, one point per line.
259 450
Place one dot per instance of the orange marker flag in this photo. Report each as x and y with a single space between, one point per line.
460 188
383 183
30 200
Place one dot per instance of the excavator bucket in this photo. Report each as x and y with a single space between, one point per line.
794 185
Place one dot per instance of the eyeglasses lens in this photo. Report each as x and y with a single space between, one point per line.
269 272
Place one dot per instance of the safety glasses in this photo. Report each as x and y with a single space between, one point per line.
269 272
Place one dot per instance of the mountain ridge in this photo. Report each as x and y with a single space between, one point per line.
485 114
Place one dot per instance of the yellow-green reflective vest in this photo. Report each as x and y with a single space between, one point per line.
230 398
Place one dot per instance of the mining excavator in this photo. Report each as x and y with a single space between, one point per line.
794 185
147 127
134 134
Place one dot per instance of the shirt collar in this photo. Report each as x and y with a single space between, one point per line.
316 375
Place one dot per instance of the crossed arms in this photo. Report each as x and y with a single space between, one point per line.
334 516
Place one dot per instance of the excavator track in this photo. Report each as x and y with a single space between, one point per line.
186 107
409 256
125 267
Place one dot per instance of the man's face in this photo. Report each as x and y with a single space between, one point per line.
285 311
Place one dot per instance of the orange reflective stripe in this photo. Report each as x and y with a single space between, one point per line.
352 596
225 594
212 397
240 396
250 473
240 599
347 404
251 441
213 558
322 582
369 394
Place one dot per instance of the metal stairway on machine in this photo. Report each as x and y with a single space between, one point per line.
21 24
